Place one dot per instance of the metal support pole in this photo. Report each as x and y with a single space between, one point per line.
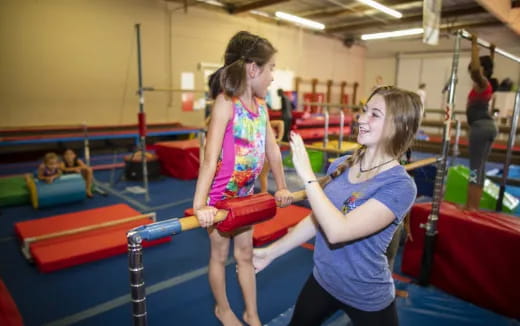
86 144
326 126
431 224
136 270
510 145
455 152
142 121
341 127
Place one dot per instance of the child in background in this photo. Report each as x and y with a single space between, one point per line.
277 125
72 164
49 170
239 139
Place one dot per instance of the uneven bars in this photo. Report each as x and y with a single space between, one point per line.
467 35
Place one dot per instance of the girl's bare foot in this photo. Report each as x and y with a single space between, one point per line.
251 321
227 317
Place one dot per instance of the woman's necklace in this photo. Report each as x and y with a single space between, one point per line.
370 169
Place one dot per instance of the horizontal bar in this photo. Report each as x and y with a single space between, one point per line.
467 35
173 90
441 111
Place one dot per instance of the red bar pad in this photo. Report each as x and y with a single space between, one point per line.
476 256
141 116
279 225
75 220
245 211
9 314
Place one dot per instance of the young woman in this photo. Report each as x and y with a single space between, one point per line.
354 216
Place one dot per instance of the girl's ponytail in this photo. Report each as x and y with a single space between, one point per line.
233 78
214 83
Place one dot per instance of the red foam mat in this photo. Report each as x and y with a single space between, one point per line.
276 227
74 220
70 250
9 314
476 256
179 159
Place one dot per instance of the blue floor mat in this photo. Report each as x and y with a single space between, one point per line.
97 293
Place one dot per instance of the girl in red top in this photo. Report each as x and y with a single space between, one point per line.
483 130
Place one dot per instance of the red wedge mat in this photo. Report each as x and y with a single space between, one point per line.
70 250
276 227
9 314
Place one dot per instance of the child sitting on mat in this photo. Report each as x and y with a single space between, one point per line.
72 164
49 170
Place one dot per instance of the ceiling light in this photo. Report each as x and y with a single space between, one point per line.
299 20
404 32
212 2
260 13
380 7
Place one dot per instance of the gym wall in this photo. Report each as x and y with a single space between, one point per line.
67 62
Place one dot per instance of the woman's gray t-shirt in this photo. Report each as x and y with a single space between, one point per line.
357 272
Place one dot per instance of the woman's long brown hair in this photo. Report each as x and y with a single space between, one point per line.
403 116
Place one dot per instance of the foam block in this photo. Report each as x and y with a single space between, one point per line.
9 314
13 191
70 250
457 185
475 258
179 159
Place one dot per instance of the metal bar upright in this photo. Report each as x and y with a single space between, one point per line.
142 122
510 145
438 193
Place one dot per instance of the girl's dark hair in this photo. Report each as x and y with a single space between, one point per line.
404 112
243 48
487 65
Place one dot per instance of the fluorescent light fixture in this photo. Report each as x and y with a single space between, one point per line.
212 2
380 7
260 13
404 32
299 20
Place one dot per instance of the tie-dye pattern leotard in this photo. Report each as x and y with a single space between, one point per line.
242 155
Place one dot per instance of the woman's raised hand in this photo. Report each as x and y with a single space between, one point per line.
300 158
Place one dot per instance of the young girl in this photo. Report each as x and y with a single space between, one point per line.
239 137
483 130
49 170
72 164
354 216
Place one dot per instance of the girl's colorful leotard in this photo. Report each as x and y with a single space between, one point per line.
242 155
